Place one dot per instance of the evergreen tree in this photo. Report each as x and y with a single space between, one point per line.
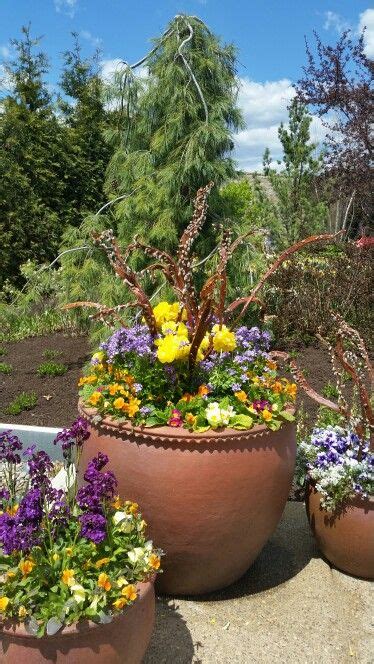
33 163
185 118
85 116
298 211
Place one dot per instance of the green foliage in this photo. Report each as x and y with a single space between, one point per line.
299 210
3 351
330 391
51 369
24 401
5 368
50 354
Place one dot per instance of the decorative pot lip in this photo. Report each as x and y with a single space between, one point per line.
354 501
13 629
176 434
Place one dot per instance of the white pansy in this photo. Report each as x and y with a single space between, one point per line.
218 416
124 521
135 555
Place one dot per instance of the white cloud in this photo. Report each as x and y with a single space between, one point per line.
367 20
336 22
88 36
264 106
4 51
68 7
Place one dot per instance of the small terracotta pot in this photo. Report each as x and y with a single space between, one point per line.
211 500
123 641
345 536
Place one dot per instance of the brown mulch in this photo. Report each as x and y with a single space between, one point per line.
57 397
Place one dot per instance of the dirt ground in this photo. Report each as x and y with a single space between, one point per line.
57 397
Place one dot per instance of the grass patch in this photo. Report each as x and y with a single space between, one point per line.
5 368
2 352
51 369
52 354
24 401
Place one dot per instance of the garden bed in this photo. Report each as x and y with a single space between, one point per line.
57 396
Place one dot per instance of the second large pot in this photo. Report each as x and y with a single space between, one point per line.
211 500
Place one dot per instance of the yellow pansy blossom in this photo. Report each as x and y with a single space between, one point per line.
4 601
104 582
99 356
10 575
26 566
120 603
119 403
190 419
101 562
68 577
241 395
266 415
69 551
154 561
130 593
55 557
117 503
94 398
22 612
113 388
87 380
132 407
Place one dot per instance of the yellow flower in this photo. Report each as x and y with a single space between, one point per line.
187 397
190 419
69 551
87 380
183 348
11 575
130 593
55 557
113 388
223 339
241 395
266 415
291 390
68 577
99 356
203 390
133 406
271 365
22 612
119 403
101 562
12 510
104 582
4 601
154 561
120 603
122 582
117 503
167 348
131 507
277 387
203 347
95 398
165 312
26 566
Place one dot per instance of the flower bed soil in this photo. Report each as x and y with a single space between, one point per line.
58 396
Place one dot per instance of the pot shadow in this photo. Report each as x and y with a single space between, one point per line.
288 551
171 641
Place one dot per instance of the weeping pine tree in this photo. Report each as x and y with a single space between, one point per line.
171 132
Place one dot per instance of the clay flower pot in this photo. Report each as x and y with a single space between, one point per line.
211 500
123 641
346 536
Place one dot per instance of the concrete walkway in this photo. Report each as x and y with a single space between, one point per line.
290 608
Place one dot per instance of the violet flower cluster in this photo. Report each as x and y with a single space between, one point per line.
339 465
91 499
136 339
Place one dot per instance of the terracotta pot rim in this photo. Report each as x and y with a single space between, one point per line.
16 630
177 434
354 501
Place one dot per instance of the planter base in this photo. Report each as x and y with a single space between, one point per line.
123 641
345 537
211 500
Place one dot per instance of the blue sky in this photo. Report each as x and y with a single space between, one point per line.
269 36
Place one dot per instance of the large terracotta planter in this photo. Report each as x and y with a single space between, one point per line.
211 500
123 641
345 537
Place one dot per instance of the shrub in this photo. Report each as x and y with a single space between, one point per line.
5 368
51 369
23 401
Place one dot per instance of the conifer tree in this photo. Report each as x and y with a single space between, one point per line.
299 211
32 163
